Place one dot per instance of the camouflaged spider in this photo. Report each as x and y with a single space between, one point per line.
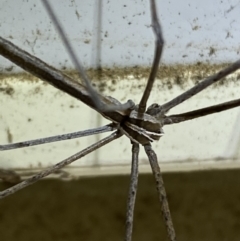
141 126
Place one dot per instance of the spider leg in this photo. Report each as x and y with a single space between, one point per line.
63 137
199 87
132 192
59 165
161 191
95 97
173 119
159 42
54 77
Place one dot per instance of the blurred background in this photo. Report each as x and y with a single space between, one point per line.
204 206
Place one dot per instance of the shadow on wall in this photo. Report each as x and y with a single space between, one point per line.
204 205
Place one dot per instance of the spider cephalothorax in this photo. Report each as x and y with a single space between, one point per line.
142 128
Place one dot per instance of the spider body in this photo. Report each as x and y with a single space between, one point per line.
142 128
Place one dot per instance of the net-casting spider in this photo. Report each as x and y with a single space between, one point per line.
140 124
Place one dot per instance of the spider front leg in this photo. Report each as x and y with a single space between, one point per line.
82 74
159 42
161 191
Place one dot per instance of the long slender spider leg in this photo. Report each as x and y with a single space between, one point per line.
173 119
40 69
102 107
199 87
159 42
68 136
161 191
60 165
132 192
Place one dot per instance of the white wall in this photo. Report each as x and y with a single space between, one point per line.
206 32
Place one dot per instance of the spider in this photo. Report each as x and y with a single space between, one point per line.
140 124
